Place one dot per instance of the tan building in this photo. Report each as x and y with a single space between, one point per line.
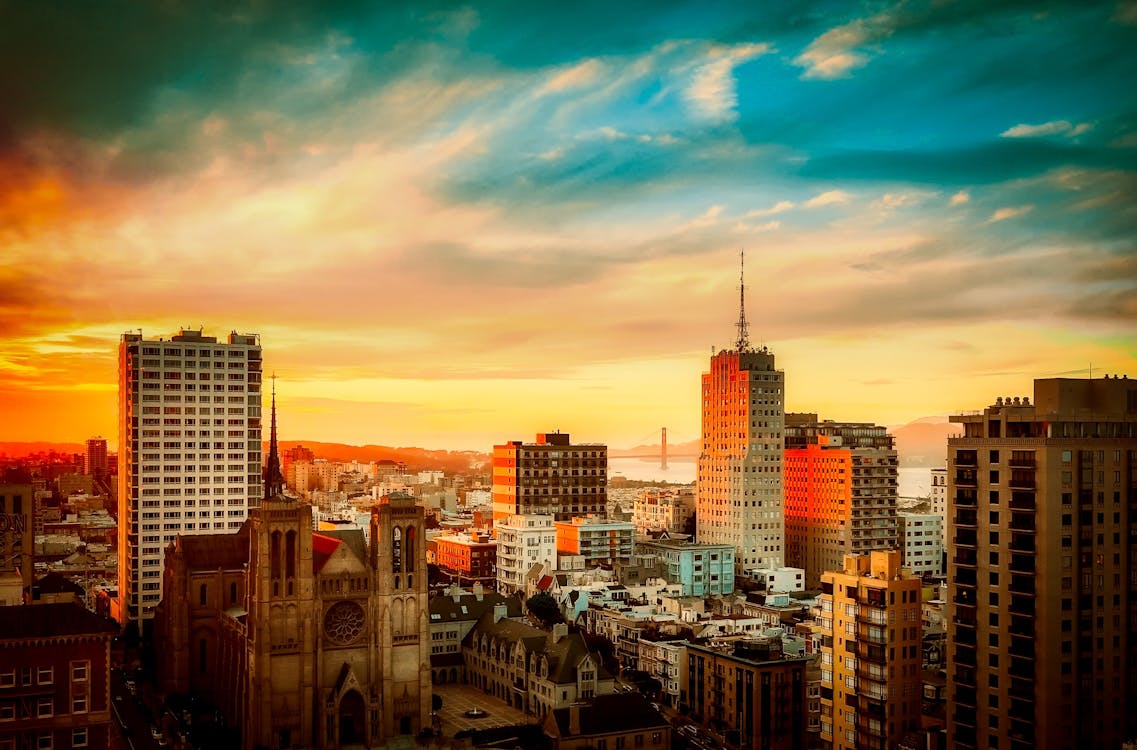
595 539
1042 583
840 480
16 544
551 476
326 633
750 688
870 652
657 509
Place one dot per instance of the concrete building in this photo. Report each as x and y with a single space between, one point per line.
189 450
95 458
467 558
739 488
1042 587
619 720
920 545
870 653
522 542
779 580
595 539
701 569
840 480
656 509
550 476
453 614
16 544
937 499
55 677
750 688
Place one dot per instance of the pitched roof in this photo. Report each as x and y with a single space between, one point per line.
353 538
54 583
51 621
444 608
609 714
212 551
564 654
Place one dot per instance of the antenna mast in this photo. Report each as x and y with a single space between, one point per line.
743 342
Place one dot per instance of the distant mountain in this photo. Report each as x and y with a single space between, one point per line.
19 449
416 459
689 448
923 442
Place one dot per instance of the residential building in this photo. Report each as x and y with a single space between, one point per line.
189 450
840 480
920 545
870 652
550 476
937 500
781 580
453 614
701 569
467 557
595 539
54 677
523 541
749 687
533 670
1042 586
619 720
657 509
739 488
16 543
664 657
95 458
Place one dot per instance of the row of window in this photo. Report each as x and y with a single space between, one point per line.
46 740
42 675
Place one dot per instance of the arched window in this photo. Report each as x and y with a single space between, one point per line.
396 550
232 593
290 555
274 555
201 595
410 563
201 655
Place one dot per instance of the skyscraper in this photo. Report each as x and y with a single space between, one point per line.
1042 573
840 492
95 460
739 490
189 450
550 476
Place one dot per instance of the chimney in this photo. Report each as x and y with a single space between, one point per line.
560 630
500 612
574 719
478 590
456 593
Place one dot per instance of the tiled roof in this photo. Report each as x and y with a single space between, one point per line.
608 714
469 607
212 551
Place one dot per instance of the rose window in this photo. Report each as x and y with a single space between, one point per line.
343 622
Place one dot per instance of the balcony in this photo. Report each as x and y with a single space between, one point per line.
1022 648
1022 479
965 498
869 672
1022 584
1023 522
1021 563
964 696
1022 667
965 518
870 652
1022 626
965 677
1022 460
966 478
867 633
1022 542
964 538
965 577
867 614
966 458
1022 604
1021 689
1023 501
966 557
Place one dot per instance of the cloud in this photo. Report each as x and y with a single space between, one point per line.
1009 212
572 77
777 208
960 198
832 55
1056 127
713 92
828 198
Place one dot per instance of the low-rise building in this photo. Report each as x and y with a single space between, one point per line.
453 615
467 558
595 539
620 720
701 569
781 580
921 543
522 542
656 509
54 677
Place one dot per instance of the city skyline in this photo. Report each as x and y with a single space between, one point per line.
455 227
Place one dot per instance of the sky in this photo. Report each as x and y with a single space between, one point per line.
457 224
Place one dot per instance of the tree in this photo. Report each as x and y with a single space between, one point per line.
544 608
689 525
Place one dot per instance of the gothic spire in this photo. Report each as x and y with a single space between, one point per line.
743 342
274 480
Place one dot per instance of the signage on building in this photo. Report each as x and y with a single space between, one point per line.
13 529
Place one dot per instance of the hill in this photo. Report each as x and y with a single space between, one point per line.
923 442
416 459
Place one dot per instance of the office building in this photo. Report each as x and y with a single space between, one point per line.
16 543
550 476
739 481
920 546
840 480
749 687
1042 579
870 652
189 450
522 542
95 459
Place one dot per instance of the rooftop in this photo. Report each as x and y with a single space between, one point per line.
51 621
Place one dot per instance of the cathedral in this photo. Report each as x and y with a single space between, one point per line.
303 639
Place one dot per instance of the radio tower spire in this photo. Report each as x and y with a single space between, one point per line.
743 342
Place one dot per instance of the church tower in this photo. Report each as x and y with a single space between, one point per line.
398 557
281 616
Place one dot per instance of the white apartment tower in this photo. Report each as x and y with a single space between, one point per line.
739 490
189 450
523 540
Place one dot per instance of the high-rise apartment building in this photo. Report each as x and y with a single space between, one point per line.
551 476
937 499
739 482
189 450
1042 573
870 653
840 485
95 459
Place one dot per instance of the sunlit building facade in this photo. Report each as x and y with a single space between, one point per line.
550 476
189 450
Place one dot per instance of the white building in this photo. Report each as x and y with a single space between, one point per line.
938 500
921 543
782 580
189 449
655 509
523 541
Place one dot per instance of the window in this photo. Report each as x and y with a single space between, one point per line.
8 679
45 708
79 737
7 711
45 675
79 671
79 704
43 742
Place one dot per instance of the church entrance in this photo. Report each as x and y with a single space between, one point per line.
352 715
